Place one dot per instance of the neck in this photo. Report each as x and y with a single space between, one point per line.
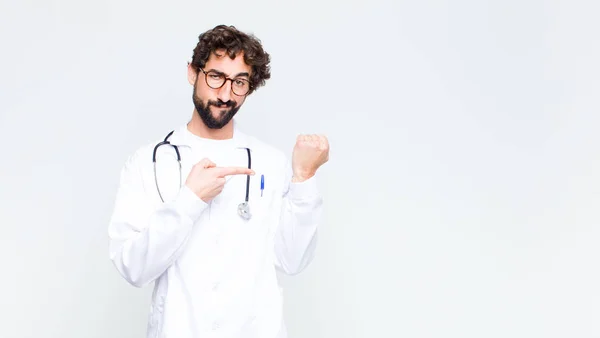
198 128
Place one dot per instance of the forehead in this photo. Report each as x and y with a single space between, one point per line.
221 61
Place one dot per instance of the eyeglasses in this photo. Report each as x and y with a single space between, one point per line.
216 80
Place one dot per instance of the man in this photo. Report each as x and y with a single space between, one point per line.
211 231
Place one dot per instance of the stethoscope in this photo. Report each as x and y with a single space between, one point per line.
243 208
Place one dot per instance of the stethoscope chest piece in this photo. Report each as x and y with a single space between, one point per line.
244 210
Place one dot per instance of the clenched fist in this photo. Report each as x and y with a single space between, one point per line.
310 152
206 180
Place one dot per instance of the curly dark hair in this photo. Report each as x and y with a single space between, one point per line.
233 41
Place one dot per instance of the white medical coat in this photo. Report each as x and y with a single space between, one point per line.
214 273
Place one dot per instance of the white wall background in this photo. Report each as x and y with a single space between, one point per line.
462 194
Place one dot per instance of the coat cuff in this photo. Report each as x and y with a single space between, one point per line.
304 190
189 204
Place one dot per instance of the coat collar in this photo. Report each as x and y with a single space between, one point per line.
183 137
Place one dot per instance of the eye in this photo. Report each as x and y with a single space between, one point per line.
241 82
214 76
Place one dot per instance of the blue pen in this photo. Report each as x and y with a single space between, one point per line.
262 184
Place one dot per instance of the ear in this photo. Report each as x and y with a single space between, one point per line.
192 74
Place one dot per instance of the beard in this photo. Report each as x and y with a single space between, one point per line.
225 111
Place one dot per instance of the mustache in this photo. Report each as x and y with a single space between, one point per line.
220 104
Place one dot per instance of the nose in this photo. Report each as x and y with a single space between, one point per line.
225 91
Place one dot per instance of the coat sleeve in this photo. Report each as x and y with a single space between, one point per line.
145 239
296 235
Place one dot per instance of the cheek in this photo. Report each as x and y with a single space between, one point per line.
240 100
205 93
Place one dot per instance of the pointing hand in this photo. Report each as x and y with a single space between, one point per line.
206 180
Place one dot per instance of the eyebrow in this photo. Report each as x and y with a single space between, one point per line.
237 75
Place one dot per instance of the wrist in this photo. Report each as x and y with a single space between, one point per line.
198 193
298 178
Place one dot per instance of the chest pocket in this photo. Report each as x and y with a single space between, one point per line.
261 196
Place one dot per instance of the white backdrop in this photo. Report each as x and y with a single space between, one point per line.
463 189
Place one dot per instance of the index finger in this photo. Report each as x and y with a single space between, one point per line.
226 171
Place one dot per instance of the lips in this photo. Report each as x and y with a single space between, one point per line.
222 105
